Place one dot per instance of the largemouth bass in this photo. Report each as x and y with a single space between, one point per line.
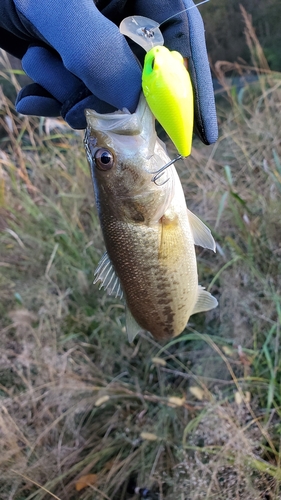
148 231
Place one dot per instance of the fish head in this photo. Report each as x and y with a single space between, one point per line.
124 153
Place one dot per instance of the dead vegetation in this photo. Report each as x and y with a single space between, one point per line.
85 415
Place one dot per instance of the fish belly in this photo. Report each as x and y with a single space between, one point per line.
157 269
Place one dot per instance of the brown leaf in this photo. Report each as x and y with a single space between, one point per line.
197 392
85 481
242 398
148 436
22 317
175 401
110 464
244 359
227 350
159 361
101 400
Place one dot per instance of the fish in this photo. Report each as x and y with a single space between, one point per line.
148 231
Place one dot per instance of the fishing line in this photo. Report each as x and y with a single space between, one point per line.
184 10
137 27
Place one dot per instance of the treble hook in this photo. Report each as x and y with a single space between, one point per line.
160 172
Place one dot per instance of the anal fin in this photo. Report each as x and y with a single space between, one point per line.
132 327
205 301
201 233
105 273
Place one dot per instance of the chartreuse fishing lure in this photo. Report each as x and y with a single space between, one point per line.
166 83
167 88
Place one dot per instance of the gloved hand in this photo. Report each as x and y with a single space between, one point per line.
78 59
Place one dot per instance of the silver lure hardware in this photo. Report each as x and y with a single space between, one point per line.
149 33
159 173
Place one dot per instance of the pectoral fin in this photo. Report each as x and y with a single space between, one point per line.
132 327
201 234
105 273
205 301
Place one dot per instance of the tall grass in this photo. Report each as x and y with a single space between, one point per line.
198 417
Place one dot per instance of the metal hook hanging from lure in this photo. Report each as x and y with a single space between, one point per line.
166 83
161 170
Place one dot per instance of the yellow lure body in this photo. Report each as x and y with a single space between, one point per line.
168 90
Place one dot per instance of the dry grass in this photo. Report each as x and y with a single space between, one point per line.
196 418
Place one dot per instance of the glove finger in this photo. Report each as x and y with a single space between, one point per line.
34 100
91 47
190 25
46 68
205 109
73 110
69 93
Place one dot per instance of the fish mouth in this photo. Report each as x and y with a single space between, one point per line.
141 122
132 135
129 134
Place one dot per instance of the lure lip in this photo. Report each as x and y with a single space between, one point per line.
142 30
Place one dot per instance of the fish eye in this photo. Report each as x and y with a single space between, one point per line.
104 159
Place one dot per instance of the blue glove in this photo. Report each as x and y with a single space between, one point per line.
78 59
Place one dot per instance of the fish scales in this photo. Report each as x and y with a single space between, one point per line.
149 234
154 289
